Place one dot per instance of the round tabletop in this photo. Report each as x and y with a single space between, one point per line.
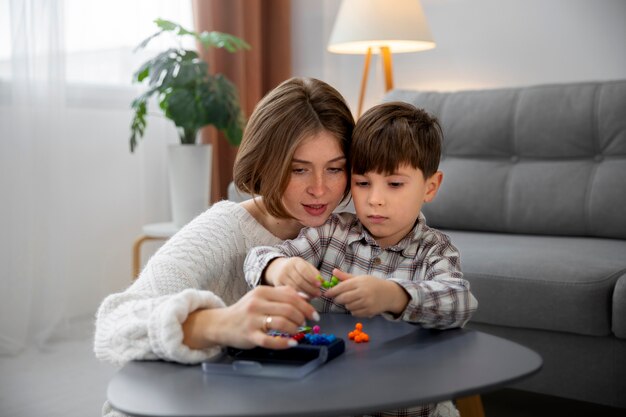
402 365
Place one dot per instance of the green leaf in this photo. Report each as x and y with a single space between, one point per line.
146 41
163 64
138 124
180 107
190 73
222 40
170 26
142 72
188 55
220 104
166 24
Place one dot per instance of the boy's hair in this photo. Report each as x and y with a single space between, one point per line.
392 134
292 112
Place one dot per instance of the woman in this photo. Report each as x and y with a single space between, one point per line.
189 300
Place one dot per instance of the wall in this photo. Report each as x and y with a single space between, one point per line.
480 44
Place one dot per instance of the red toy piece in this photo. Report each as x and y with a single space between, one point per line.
298 336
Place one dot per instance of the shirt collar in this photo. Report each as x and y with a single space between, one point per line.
408 245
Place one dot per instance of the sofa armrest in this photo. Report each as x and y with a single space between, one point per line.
619 308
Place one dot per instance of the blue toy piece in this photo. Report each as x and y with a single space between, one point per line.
318 339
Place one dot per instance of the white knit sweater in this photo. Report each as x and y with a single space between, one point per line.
199 267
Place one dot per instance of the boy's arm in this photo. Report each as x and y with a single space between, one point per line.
310 245
441 298
257 261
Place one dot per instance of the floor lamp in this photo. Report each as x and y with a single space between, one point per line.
379 26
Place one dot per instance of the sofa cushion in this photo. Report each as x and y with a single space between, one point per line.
544 282
537 160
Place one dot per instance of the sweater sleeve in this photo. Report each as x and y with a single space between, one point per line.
199 267
131 327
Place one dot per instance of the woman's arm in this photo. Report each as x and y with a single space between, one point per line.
202 261
243 325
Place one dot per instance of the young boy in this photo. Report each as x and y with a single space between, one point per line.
387 259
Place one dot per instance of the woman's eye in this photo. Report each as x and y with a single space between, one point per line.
298 170
335 170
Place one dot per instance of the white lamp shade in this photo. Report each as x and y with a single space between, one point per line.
397 24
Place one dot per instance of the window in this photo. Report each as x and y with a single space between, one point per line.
95 40
101 36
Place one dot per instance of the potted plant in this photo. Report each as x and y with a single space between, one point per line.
191 98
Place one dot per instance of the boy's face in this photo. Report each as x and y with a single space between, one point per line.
388 205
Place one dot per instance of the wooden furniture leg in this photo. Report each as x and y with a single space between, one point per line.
137 253
471 406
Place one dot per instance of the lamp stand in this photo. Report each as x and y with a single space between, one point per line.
387 67
386 55
366 70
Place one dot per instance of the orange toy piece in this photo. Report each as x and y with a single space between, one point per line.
358 335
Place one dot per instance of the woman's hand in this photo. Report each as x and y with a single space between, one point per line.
367 296
245 324
295 273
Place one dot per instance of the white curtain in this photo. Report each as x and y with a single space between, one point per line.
72 196
32 297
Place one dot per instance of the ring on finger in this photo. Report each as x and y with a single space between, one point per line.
266 323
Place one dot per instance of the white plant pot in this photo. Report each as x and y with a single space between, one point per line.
190 181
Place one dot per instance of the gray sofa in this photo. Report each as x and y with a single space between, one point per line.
534 197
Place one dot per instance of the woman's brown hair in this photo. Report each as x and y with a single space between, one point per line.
292 112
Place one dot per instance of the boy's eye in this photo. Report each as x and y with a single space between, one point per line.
361 183
396 184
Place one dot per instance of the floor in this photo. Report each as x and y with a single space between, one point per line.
66 380
515 403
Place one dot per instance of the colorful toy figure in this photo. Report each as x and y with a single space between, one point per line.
308 336
358 335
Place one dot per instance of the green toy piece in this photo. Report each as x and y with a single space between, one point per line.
328 284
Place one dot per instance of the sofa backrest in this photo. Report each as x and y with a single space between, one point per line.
546 159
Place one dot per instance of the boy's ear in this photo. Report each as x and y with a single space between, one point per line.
432 186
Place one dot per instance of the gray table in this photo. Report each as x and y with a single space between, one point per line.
402 365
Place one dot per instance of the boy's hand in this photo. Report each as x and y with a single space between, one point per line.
294 272
367 296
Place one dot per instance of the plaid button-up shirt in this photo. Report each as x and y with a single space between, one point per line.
424 263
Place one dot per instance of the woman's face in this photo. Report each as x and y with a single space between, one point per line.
318 180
